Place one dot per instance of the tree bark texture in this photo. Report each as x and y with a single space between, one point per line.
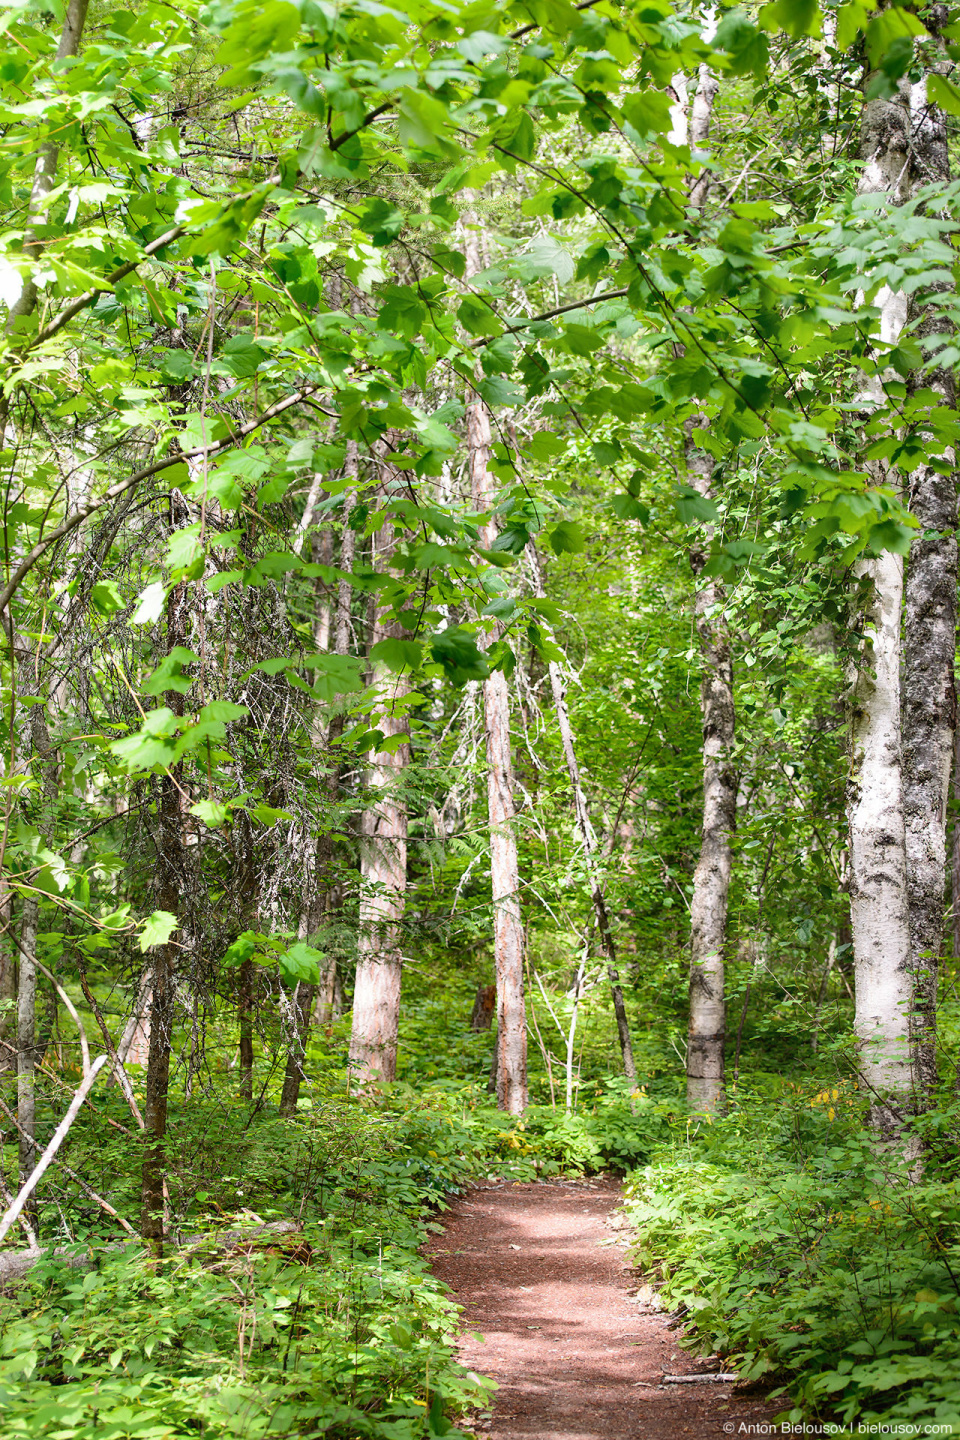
879 914
8 981
29 1052
248 895
26 1051
508 940
383 867
711 880
929 693
955 849
878 881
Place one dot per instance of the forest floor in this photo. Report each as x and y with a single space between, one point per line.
571 1334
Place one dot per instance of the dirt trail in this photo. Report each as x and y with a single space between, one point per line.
575 1357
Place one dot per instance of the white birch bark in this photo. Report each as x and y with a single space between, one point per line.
930 625
508 940
878 867
878 880
706 1033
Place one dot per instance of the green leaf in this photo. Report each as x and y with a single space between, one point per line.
567 538
241 949
498 391
796 17
890 535
156 929
337 675
223 711
546 256
943 92
241 356
211 812
477 317
106 597
168 676
397 655
625 507
153 744
457 651
300 963
267 814
176 366
851 19
693 506
422 121
746 48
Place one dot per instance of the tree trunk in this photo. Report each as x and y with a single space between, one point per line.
169 888
711 881
508 945
245 984
376 996
26 1051
878 868
955 849
878 899
484 1007
929 694
8 980
383 867
248 897
507 920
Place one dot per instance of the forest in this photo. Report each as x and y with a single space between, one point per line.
478 706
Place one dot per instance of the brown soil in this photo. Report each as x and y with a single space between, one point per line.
542 1277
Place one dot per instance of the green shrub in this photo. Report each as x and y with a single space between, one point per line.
807 1256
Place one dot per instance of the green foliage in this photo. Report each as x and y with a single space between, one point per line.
810 1257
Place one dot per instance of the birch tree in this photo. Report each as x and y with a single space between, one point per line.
929 637
706 1032
508 940
879 915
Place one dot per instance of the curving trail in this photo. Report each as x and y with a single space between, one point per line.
575 1355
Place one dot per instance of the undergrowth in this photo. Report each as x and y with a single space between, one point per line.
338 1329
811 1259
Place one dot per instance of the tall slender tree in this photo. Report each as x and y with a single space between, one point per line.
383 862
508 937
930 628
706 1032
879 914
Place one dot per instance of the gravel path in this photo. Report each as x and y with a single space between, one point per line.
543 1278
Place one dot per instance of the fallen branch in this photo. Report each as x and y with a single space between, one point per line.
15 1264
720 1378
56 1140
88 1190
